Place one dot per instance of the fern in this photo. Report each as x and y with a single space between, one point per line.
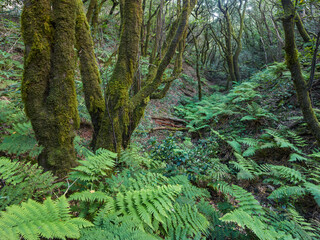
81 150
282 142
218 229
262 230
218 171
33 220
21 140
111 226
303 229
94 167
286 192
186 222
22 181
10 113
246 201
222 186
235 145
127 181
89 196
150 205
287 174
256 113
132 158
314 190
294 157
247 168
148 199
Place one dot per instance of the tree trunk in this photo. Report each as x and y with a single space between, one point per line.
89 71
295 69
115 125
91 8
48 89
123 114
303 32
197 66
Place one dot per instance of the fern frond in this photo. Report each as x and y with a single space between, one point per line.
89 196
33 220
217 228
300 227
246 200
287 173
222 186
22 181
248 168
81 150
112 226
132 158
285 192
218 170
149 204
186 222
188 190
262 230
21 140
314 190
94 167
297 157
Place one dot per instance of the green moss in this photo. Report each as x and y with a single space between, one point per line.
293 64
48 88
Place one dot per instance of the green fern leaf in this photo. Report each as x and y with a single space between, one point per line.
32 220
314 190
94 167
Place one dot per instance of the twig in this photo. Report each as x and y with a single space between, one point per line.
168 128
70 185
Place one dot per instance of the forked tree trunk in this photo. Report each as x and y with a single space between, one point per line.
123 113
51 29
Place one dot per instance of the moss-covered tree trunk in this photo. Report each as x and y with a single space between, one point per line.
51 32
303 32
123 113
238 39
229 52
294 66
89 71
116 120
48 90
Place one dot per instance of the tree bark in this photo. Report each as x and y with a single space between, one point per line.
123 114
116 121
48 89
89 71
295 69
303 32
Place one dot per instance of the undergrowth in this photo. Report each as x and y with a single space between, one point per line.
243 172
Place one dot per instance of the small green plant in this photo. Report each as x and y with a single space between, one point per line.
21 181
33 220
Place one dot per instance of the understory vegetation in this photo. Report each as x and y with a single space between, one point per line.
239 162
